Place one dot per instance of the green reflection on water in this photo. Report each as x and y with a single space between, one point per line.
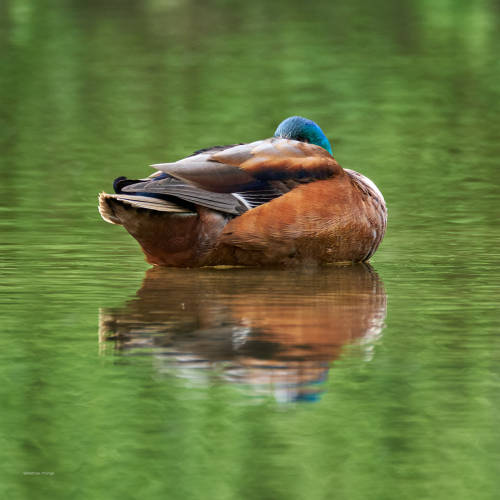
408 93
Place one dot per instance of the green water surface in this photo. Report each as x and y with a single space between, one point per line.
121 382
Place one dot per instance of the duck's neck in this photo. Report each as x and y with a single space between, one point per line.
302 129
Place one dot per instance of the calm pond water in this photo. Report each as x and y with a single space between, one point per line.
121 381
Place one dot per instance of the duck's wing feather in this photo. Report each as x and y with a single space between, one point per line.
234 179
163 186
212 149
171 188
251 167
158 205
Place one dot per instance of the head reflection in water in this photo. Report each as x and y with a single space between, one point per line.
272 331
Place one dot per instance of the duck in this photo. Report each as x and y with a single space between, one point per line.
282 201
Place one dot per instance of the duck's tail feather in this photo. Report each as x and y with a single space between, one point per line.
106 202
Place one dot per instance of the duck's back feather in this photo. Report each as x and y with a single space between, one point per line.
251 166
234 179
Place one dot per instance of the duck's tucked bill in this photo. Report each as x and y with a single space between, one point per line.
282 200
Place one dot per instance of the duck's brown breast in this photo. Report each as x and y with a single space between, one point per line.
334 220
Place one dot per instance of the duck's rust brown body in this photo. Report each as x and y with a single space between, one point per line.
324 214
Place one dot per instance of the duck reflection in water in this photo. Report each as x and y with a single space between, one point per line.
270 330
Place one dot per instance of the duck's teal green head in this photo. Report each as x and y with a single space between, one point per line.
302 129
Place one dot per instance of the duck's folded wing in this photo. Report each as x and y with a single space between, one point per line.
171 189
238 178
251 167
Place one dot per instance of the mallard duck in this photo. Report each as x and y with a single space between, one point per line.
282 200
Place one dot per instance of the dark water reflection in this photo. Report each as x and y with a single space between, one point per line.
273 331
